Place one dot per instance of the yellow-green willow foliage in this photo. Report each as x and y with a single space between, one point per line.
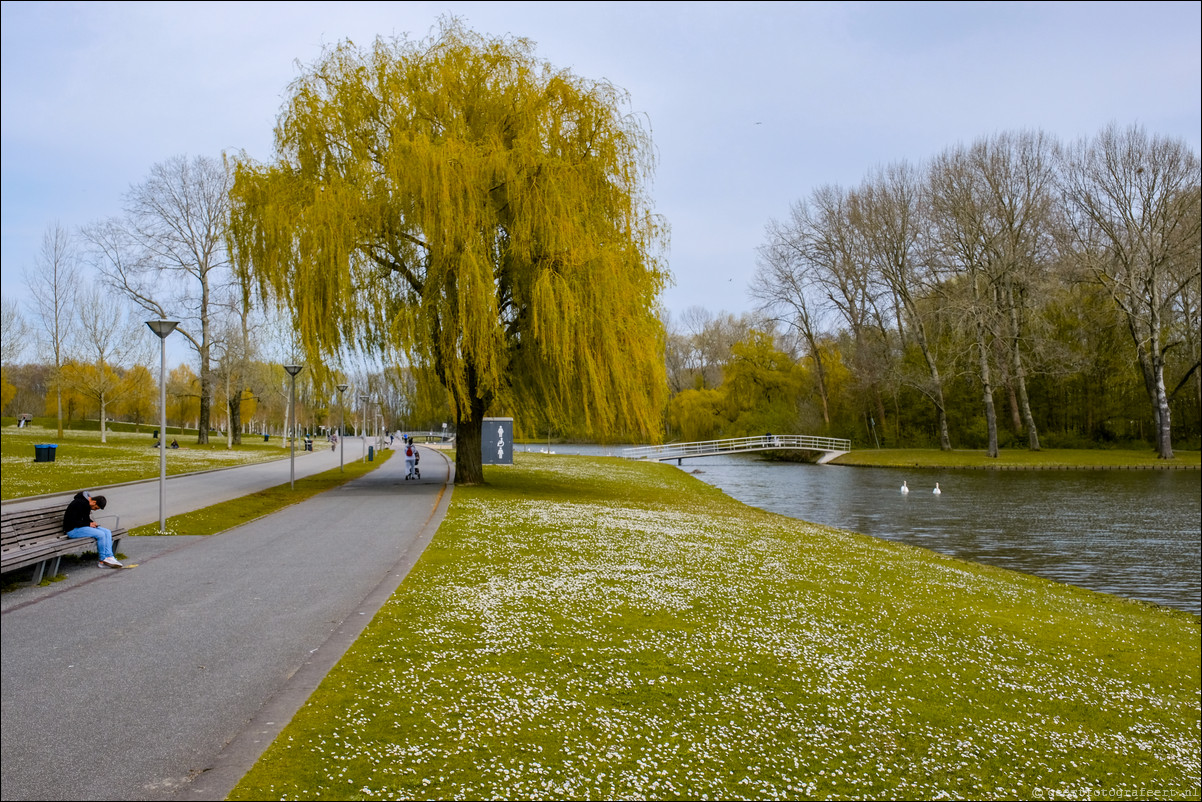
462 203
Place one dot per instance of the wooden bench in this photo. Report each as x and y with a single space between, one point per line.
35 537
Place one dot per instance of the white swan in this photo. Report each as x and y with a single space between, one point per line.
904 489
937 491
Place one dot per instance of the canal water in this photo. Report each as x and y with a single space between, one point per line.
1136 534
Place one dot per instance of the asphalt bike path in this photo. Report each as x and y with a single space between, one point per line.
168 681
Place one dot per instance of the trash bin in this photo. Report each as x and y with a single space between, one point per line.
266 437
44 452
371 453
308 444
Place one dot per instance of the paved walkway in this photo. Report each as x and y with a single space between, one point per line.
169 680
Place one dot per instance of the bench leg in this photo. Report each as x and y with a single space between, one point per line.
38 571
53 569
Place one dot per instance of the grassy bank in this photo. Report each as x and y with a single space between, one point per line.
595 628
81 460
1049 458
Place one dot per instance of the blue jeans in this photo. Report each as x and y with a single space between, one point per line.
104 539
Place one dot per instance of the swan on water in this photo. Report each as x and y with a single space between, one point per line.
904 489
936 491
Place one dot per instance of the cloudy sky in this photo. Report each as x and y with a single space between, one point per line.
751 105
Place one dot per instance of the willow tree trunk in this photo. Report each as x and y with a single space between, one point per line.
469 423
469 426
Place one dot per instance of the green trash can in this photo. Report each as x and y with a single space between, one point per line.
44 452
371 453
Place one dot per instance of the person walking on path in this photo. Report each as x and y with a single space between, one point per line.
410 459
77 522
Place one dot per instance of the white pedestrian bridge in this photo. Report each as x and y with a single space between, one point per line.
830 447
431 437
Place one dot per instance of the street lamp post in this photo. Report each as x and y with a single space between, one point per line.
341 428
292 371
363 420
162 328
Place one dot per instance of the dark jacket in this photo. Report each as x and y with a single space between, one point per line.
79 513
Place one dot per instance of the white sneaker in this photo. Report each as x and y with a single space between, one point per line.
110 562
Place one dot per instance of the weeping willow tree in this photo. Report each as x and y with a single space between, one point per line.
462 207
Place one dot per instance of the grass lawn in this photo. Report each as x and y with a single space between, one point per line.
81 460
1017 458
596 628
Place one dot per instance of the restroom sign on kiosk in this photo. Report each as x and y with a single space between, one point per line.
496 441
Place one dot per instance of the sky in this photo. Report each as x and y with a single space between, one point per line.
751 106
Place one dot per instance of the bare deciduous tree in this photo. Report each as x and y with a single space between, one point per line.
787 282
106 340
168 254
705 340
1019 173
890 212
14 333
964 240
54 283
1133 221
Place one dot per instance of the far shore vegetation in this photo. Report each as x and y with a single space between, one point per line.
586 628
1018 458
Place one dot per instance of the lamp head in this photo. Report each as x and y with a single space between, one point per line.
293 369
162 327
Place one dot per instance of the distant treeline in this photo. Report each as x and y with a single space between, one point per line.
1012 292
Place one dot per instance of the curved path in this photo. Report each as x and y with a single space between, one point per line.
169 680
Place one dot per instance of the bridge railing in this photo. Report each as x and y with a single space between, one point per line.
427 437
736 445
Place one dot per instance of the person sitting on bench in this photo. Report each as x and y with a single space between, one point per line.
77 522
